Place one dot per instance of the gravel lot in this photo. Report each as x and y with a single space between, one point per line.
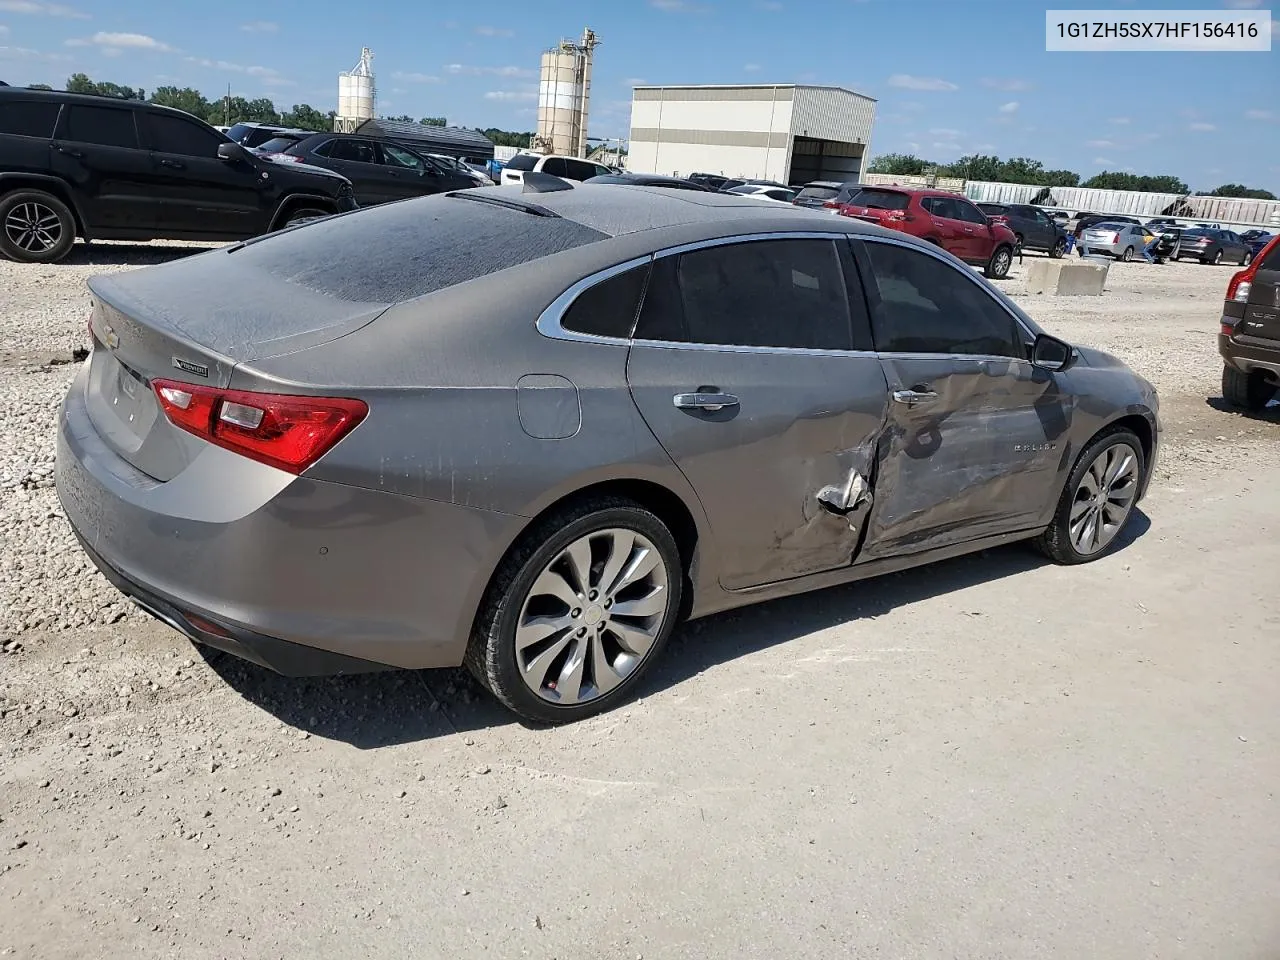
997 759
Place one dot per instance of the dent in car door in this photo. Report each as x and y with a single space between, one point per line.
776 442
976 436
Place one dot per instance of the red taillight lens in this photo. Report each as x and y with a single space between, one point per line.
287 432
832 204
1228 329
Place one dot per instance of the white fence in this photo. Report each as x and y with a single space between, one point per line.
1255 213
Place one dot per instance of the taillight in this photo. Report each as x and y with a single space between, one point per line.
898 216
832 204
287 432
1228 329
1115 238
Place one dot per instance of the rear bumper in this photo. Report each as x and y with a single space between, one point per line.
1247 357
271 558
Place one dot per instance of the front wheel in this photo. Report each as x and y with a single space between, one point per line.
1059 249
1127 255
1217 258
577 612
297 218
1246 391
1098 499
1247 258
35 227
997 267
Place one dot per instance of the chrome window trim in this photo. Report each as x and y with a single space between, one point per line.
973 278
548 322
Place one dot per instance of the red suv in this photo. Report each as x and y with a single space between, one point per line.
950 221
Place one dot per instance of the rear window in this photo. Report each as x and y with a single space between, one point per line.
1272 260
522 161
992 208
28 118
817 193
278 144
880 199
399 251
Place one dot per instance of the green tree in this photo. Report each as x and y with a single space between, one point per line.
1163 183
434 122
1241 191
306 117
80 83
38 86
899 165
506 138
183 98
402 118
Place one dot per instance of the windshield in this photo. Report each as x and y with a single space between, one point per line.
522 161
278 144
239 131
745 188
880 199
817 193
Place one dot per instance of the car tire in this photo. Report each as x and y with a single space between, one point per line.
1088 503
1059 249
997 267
1247 258
297 218
1217 257
525 673
1127 256
1246 391
35 227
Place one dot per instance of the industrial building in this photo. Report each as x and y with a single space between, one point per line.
564 94
791 133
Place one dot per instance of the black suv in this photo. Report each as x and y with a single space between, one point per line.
380 171
1034 228
1249 340
106 169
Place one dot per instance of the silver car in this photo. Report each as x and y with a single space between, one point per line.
533 430
1123 241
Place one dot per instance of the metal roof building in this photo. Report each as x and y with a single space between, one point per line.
452 141
787 132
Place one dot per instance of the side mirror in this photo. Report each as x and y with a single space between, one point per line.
1051 353
232 151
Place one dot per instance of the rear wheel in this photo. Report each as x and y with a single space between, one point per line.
997 267
577 612
1059 249
1127 255
1246 391
35 227
1247 258
1098 499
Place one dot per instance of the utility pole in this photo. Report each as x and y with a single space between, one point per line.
226 106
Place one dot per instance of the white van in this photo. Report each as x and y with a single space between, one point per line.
568 168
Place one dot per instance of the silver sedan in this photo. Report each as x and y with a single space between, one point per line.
1124 241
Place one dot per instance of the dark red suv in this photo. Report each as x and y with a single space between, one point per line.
950 221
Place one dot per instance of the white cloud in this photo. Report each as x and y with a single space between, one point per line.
1103 162
1008 84
751 68
460 68
907 82
494 32
26 53
1010 107
1101 144
1241 4
268 75
122 41
512 96
1120 121
260 26
633 82
1201 127
678 6
43 9
414 77
1259 115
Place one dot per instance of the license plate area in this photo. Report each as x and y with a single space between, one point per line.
120 401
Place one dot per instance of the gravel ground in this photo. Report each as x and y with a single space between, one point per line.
1003 759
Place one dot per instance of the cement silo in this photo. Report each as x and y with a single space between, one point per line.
357 95
564 90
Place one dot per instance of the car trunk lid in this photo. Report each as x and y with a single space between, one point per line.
1262 309
192 326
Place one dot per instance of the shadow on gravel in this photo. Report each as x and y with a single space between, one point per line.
1268 414
127 254
382 709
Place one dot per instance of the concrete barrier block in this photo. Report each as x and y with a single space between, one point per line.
1068 278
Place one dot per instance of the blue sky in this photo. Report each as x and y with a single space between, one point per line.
951 76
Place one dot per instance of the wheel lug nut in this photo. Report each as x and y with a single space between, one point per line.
608 604
593 595
582 631
576 612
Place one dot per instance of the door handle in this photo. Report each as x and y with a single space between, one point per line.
70 153
176 165
912 397
710 402
968 229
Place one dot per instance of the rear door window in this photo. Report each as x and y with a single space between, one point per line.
104 126
769 293
555 166
967 212
930 307
28 118
354 151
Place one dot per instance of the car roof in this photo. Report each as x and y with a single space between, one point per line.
89 99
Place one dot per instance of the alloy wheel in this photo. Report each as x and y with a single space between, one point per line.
1104 499
1003 260
591 616
33 227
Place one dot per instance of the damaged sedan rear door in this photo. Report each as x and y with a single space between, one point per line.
976 434
752 365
